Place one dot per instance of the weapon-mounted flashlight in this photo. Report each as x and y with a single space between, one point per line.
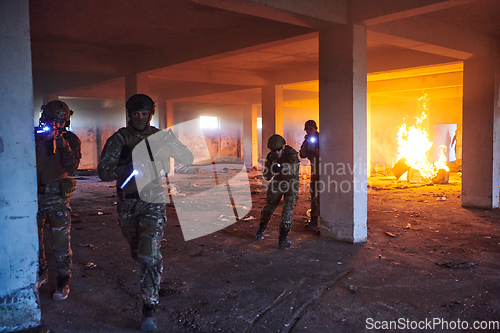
135 172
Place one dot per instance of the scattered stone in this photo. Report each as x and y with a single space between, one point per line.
456 264
90 265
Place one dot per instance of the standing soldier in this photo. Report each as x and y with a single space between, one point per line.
282 165
57 154
142 221
310 149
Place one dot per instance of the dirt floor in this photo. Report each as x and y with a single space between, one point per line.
427 261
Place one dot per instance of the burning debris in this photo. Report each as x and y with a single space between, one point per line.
413 146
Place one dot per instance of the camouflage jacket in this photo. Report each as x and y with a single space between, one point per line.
55 165
285 167
116 157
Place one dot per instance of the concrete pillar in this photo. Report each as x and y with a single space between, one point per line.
249 123
272 114
481 133
255 137
343 123
169 122
49 97
368 135
136 84
169 114
161 112
19 305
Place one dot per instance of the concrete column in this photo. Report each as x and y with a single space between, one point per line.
343 122
272 114
161 112
19 305
368 135
248 124
169 122
255 137
49 97
136 84
481 133
169 114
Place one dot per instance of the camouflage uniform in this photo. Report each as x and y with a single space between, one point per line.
141 222
285 183
52 168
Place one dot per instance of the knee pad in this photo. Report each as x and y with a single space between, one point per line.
146 246
59 238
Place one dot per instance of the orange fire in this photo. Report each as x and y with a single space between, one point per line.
442 162
413 145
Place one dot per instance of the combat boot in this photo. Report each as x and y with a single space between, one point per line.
148 323
62 290
283 242
260 232
313 224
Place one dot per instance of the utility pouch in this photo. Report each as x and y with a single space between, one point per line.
68 187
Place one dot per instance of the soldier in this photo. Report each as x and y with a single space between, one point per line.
310 149
141 221
282 165
57 154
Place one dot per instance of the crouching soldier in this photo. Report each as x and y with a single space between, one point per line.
142 216
57 154
282 165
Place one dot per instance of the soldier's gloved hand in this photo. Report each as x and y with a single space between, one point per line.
61 143
125 170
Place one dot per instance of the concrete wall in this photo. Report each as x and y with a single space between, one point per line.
94 121
226 140
19 304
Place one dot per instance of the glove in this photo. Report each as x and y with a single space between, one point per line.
124 171
61 143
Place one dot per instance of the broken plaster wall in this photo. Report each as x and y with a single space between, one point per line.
226 140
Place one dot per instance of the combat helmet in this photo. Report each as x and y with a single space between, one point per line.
140 102
55 110
275 142
311 123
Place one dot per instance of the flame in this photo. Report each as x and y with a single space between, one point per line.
414 143
442 161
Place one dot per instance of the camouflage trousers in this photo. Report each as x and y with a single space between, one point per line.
55 210
289 190
142 224
313 189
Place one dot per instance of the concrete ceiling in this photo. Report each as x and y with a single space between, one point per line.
203 47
